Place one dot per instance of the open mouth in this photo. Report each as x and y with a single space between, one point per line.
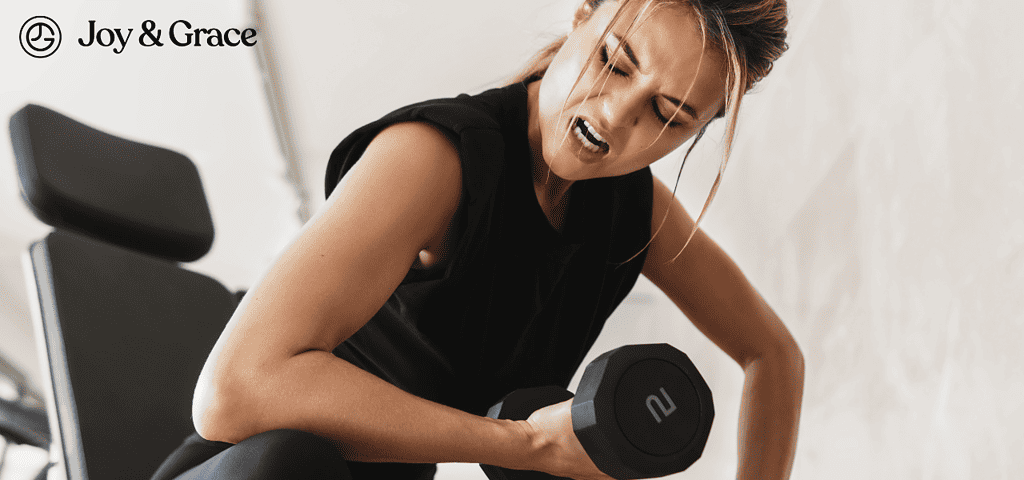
590 139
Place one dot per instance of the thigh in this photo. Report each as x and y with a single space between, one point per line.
193 451
273 455
397 471
278 454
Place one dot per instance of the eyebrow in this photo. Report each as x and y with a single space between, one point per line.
686 107
629 50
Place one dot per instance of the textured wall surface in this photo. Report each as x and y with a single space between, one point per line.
879 193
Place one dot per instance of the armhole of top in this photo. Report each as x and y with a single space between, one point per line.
459 216
477 139
351 150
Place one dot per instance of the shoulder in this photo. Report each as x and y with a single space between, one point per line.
413 139
670 227
415 157
458 114
466 122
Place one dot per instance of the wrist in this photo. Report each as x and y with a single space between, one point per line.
518 446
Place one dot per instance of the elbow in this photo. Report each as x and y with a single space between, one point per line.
795 359
784 357
788 352
220 408
794 369
788 361
210 416
207 417
789 358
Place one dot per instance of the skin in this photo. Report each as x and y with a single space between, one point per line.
273 368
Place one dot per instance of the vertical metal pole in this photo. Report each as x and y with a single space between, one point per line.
274 90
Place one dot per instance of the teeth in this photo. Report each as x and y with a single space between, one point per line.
586 141
593 132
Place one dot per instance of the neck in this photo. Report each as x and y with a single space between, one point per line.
552 190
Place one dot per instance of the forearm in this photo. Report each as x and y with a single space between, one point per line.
770 416
369 419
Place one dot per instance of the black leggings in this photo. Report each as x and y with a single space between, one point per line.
277 454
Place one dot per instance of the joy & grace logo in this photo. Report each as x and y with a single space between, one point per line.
40 36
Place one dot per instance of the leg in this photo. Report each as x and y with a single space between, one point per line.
398 471
193 451
278 454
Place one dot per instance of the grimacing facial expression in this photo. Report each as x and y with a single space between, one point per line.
616 122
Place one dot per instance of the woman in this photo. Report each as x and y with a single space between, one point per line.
435 280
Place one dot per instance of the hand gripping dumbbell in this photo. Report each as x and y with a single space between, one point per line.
640 411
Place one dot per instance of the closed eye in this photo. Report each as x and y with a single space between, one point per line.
604 61
661 116
654 101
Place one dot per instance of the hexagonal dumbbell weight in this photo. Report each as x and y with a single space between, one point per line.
640 411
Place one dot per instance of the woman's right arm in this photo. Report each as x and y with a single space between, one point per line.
272 367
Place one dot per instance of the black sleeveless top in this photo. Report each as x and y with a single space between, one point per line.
518 303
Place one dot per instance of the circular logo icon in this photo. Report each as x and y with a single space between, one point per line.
40 36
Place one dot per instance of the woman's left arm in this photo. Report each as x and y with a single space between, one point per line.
714 294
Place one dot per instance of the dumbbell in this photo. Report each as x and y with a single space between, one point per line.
640 411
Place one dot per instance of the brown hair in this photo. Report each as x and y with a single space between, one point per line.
750 33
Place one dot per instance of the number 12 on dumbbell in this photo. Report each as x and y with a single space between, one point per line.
640 411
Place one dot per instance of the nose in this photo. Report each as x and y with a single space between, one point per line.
621 109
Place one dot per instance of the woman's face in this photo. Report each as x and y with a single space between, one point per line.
619 122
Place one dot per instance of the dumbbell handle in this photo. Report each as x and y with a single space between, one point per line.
525 401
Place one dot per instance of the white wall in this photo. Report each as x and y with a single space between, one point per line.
874 198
